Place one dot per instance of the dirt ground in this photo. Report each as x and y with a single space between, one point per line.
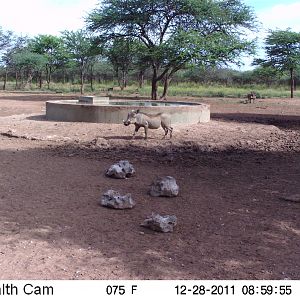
233 174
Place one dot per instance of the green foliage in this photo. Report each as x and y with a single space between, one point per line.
283 52
266 74
81 49
26 63
5 38
52 48
48 45
122 53
177 32
28 59
283 49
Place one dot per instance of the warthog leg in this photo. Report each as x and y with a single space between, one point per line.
166 132
146 131
135 130
171 131
167 129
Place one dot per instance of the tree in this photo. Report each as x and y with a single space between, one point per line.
26 62
282 53
6 42
80 48
52 48
121 54
5 39
16 44
176 32
265 74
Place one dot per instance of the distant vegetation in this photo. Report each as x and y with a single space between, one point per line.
190 46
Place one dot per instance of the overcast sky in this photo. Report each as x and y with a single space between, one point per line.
33 17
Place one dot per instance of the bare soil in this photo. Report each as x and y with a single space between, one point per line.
233 174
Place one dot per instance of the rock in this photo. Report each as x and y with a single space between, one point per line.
160 223
164 187
292 198
121 170
100 143
113 199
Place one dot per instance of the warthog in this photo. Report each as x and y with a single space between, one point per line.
140 119
251 97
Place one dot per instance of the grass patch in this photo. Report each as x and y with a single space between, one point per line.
188 89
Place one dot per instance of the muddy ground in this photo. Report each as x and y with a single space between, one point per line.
233 174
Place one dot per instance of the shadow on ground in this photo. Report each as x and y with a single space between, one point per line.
281 121
231 221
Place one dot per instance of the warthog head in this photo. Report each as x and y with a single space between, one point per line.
131 118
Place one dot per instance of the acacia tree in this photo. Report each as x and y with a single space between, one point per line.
16 45
81 49
121 54
176 32
26 63
5 38
282 53
52 48
265 74
6 42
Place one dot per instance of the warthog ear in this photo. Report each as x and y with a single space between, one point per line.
137 111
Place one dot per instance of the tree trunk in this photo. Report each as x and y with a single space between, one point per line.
154 89
92 83
48 76
292 82
166 87
40 80
5 79
92 78
63 75
22 79
81 81
28 79
124 80
141 79
16 77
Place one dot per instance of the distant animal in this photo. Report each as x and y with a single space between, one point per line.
251 97
149 121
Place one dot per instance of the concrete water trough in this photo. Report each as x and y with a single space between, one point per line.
102 110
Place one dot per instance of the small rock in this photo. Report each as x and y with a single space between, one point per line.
121 170
164 187
113 199
292 198
160 223
100 142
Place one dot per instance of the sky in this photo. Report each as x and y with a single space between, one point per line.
33 17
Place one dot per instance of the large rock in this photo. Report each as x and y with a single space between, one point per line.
121 170
164 187
160 223
114 199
